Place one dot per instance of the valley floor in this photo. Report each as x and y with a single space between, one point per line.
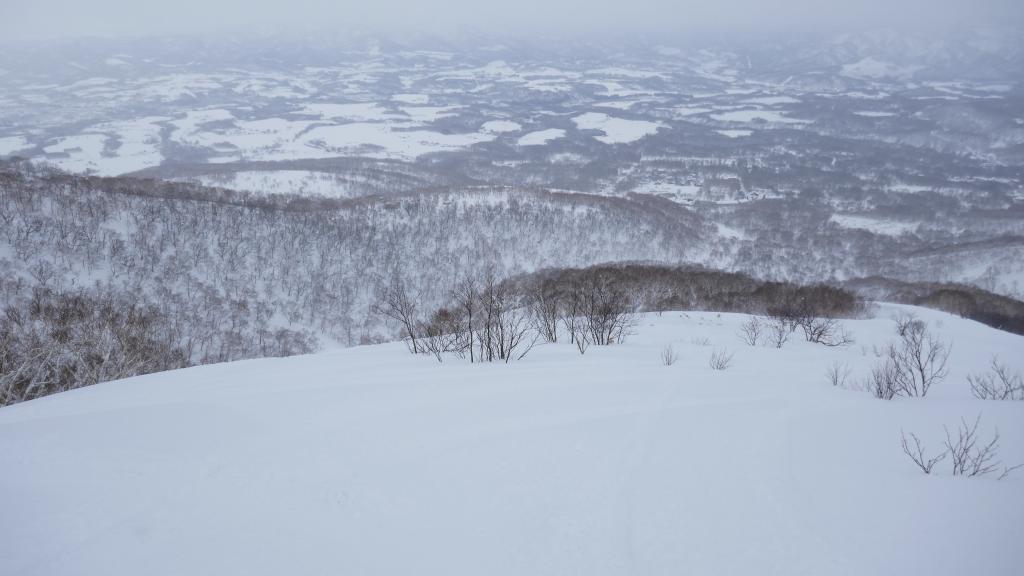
373 461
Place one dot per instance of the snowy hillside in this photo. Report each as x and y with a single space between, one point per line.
370 460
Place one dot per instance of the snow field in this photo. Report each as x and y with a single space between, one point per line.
373 461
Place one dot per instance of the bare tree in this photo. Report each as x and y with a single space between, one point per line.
396 303
466 300
997 384
545 311
922 355
503 332
571 312
721 359
750 331
608 311
580 335
912 365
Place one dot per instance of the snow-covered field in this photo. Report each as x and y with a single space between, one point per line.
373 461
875 225
735 133
541 137
303 182
615 130
747 116
11 144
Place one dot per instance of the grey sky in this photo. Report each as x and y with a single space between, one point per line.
32 19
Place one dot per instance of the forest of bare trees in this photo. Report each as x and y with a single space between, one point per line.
171 274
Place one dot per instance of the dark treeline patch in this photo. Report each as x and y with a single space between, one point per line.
52 341
970 302
658 287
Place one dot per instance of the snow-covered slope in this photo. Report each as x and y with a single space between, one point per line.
372 461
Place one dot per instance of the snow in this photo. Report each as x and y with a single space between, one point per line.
303 182
910 188
548 85
746 116
380 140
615 130
874 114
872 69
618 104
874 225
79 153
541 137
620 72
681 193
411 98
356 112
772 100
13 144
735 133
188 129
140 145
500 126
616 89
367 129
373 461
428 114
684 111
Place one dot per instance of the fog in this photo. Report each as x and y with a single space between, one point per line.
49 19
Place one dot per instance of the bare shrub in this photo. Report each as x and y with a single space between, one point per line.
751 330
838 374
886 380
669 355
443 334
485 319
997 384
778 332
721 359
700 341
826 331
916 453
970 455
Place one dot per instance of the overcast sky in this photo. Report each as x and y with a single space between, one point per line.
36 19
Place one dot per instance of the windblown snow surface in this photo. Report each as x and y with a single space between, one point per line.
373 461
